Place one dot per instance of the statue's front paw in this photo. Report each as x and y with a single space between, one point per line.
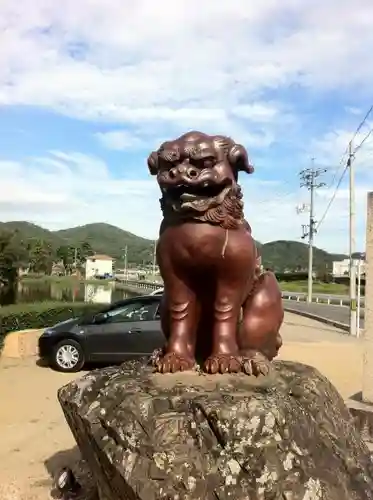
172 363
222 363
255 363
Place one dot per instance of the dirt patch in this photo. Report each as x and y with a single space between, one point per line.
36 441
32 429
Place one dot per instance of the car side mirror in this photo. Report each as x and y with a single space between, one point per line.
100 318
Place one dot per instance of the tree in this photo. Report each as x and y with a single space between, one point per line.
40 256
74 256
13 254
65 254
85 251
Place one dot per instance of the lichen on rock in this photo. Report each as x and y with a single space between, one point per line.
189 436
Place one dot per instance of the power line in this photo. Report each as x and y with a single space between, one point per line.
350 157
363 141
338 168
362 123
333 196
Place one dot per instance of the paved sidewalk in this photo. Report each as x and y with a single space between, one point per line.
36 441
337 355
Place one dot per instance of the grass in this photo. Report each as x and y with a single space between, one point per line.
318 287
40 315
291 286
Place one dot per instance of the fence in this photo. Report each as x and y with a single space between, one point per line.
322 298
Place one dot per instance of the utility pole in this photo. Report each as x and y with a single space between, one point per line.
125 262
154 257
358 307
308 178
74 264
368 327
352 246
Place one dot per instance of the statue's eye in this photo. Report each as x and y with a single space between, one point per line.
164 165
207 162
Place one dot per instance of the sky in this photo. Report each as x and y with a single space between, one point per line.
89 88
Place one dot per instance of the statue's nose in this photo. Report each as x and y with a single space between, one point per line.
191 172
183 171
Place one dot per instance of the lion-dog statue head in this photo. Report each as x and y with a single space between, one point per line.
197 174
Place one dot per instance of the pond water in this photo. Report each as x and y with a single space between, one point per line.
42 292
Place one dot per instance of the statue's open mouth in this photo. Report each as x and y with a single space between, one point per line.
197 196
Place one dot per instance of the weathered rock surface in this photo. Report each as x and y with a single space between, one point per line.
148 436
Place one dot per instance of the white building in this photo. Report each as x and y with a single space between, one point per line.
342 267
98 265
98 294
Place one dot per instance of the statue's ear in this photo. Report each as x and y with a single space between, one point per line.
153 163
238 159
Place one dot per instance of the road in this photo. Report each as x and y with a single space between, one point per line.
335 313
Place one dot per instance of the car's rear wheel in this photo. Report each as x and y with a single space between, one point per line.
68 356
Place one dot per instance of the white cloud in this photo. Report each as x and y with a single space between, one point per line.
156 69
153 126
68 189
120 140
118 59
258 112
332 148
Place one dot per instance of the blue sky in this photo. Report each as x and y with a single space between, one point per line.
88 89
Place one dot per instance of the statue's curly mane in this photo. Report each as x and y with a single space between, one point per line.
229 214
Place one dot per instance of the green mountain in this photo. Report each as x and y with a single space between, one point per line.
111 240
284 255
28 231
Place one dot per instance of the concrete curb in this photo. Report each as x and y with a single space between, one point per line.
321 319
21 344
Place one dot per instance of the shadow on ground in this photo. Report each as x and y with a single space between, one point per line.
42 363
71 459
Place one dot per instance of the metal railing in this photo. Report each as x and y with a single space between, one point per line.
147 285
321 298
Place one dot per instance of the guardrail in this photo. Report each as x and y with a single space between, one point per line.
147 285
321 298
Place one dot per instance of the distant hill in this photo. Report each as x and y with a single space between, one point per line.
282 254
111 240
29 231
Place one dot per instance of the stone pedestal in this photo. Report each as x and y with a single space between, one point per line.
187 436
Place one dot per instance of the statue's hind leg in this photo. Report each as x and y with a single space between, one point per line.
259 336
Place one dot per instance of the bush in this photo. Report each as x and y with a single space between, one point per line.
41 315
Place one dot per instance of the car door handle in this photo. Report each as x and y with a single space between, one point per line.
135 330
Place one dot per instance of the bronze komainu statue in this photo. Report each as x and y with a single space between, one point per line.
218 308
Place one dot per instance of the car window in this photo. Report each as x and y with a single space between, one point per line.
136 311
